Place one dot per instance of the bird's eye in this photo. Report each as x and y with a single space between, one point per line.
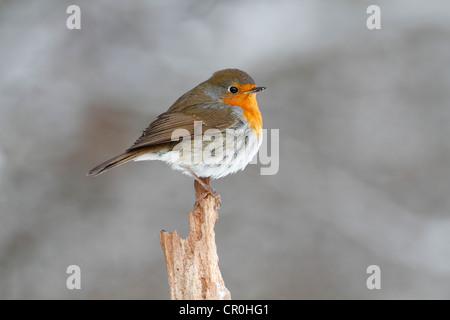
233 89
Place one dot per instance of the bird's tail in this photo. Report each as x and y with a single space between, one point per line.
116 161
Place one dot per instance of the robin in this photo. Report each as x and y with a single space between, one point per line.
225 104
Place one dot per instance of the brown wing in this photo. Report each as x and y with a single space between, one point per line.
160 131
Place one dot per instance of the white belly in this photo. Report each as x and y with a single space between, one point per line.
233 156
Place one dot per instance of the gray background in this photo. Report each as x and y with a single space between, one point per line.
364 124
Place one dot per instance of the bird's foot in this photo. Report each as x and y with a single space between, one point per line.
205 194
204 182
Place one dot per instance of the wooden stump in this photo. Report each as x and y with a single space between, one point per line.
192 263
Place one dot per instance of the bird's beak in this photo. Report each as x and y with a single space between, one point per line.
256 90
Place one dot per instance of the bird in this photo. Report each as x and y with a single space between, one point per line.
219 118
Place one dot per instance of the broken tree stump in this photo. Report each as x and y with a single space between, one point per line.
192 263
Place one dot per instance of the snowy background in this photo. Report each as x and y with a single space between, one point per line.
364 120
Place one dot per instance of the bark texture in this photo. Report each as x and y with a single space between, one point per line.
192 263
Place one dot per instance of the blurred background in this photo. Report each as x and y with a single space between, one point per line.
364 124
